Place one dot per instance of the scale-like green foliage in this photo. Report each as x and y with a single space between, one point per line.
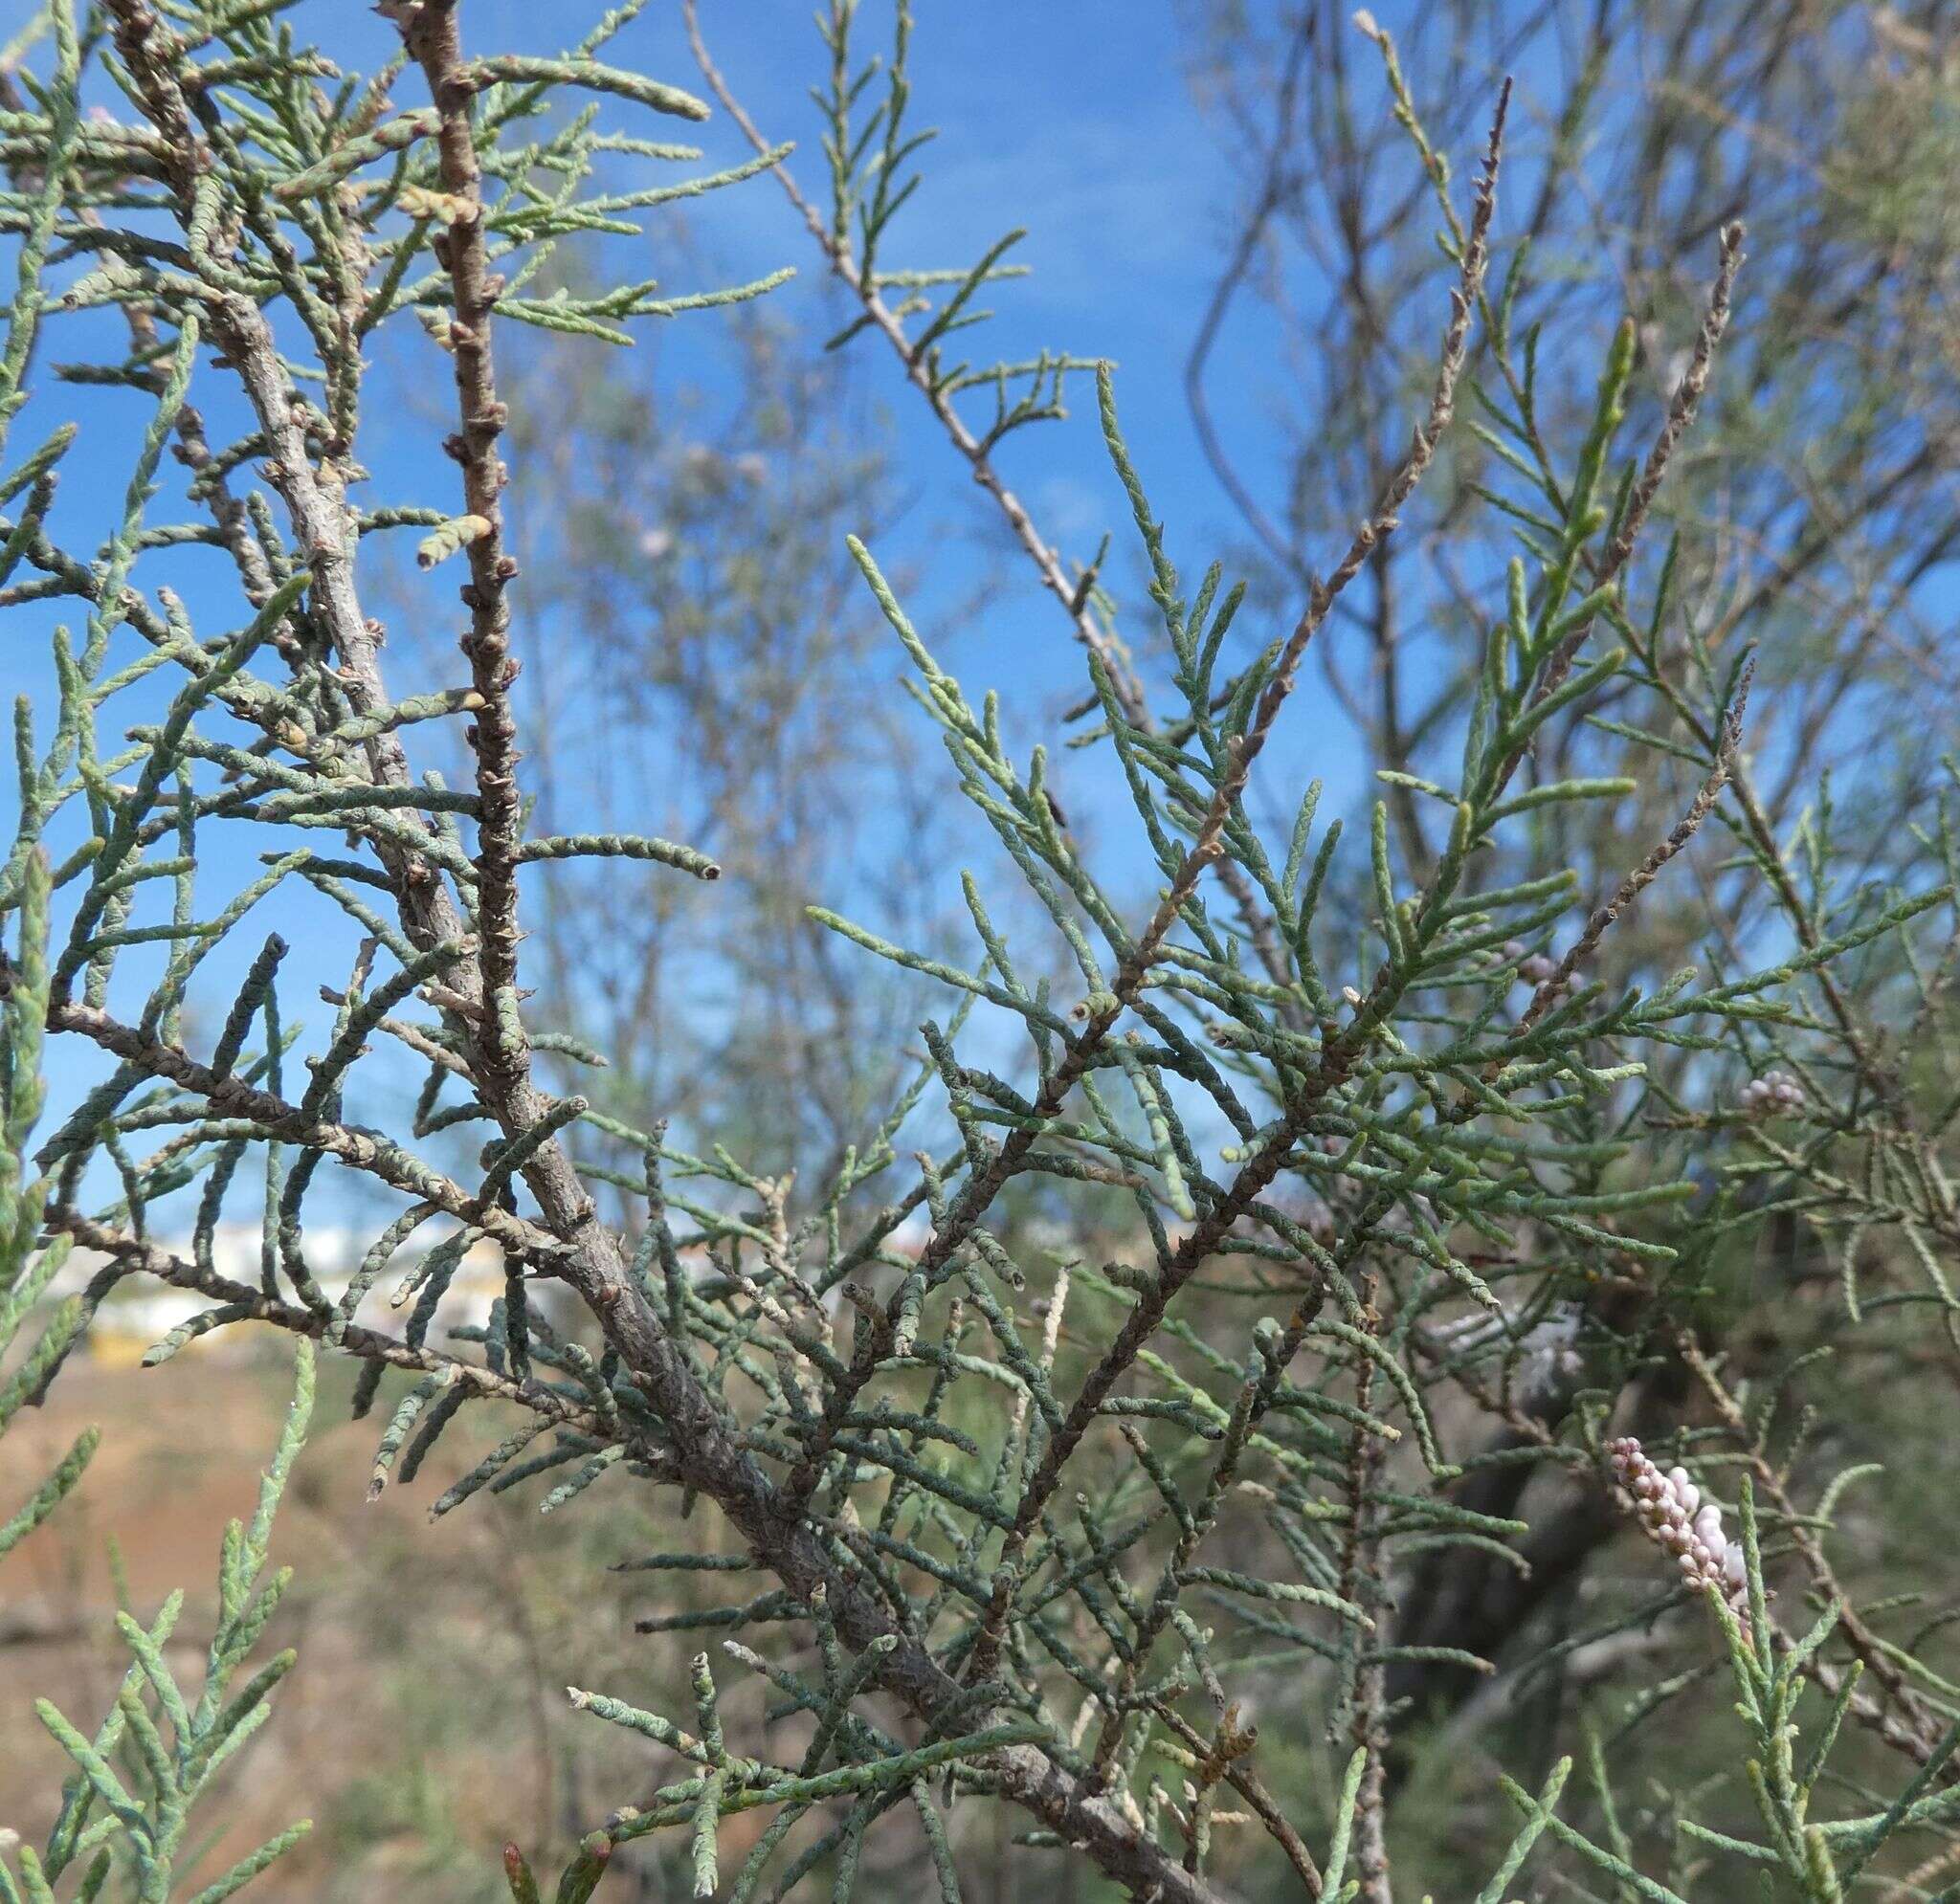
1027 1530
134 1818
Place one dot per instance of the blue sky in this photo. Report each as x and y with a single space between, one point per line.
1090 139
1074 121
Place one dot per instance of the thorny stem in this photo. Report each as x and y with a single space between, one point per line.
360 1150
1649 868
1239 1773
1681 415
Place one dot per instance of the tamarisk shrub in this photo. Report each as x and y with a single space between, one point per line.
128 1799
1370 1265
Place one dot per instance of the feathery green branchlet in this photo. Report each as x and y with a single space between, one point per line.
1023 1528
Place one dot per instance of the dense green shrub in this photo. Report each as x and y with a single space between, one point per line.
1377 1230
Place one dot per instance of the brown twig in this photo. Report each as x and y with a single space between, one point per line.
141 1257
1239 1773
1340 1052
433 39
1048 563
1681 415
1361 1584
1553 988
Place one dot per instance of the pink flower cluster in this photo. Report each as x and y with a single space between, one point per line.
1672 1511
1774 1095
